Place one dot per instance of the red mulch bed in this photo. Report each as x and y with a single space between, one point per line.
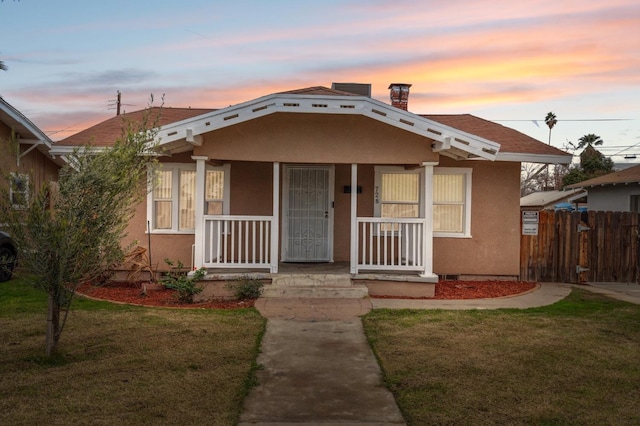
473 290
162 297
131 293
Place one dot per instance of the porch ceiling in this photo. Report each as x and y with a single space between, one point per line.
446 140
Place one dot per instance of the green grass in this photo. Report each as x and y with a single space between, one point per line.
575 362
120 364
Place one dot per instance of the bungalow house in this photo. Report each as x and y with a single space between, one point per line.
331 175
26 161
617 191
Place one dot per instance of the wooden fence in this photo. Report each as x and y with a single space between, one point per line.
582 247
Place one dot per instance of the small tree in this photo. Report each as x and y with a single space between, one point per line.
592 164
71 232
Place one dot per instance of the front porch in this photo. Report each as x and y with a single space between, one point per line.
378 248
329 268
320 280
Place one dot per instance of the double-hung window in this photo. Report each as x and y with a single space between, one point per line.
452 202
172 202
399 194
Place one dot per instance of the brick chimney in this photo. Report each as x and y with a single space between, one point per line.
399 95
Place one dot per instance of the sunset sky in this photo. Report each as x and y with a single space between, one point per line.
505 61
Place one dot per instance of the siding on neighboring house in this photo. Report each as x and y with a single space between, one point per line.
615 198
37 165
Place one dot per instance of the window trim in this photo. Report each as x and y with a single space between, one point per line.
467 208
377 188
466 171
175 196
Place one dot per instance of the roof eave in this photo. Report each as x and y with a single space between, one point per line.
534 158
593 185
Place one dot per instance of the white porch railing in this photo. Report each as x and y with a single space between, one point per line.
394 244
237 241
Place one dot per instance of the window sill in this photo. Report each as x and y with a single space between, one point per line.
170 232
450 235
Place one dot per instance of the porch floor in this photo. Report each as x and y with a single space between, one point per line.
329 268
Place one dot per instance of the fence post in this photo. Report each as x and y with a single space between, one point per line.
583 252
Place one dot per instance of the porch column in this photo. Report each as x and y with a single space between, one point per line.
427 236
353 267
275 222
198 255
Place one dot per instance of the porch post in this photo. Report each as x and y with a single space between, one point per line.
353 260
427 236
275 222
198 256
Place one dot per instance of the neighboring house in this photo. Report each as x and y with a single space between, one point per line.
328 175
617 191
552 200
25 159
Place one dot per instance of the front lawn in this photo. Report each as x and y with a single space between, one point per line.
124 365
575 362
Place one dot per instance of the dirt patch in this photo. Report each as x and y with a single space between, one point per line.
474 290
162 297
133 294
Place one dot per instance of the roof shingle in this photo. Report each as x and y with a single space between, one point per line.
630 175
510 140
106 132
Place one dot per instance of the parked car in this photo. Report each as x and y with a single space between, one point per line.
8 254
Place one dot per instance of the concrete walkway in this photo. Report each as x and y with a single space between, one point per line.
320 370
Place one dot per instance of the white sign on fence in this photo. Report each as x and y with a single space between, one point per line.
530 217
529 229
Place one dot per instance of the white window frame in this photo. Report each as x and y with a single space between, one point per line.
377 189
467 172
13 176
175 195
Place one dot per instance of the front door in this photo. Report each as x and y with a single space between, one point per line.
307 213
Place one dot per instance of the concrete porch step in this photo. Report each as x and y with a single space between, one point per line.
314 286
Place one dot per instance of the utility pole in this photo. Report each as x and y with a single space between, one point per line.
118 103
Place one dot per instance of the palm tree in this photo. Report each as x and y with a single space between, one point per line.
589 140
551 121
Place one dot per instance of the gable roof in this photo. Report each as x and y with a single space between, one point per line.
320 100
317 90
26 132
626 176
514 146
461 136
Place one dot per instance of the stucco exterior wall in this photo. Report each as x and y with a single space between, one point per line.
494 248
316 138
163 246
616 198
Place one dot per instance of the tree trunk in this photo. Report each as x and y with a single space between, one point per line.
53 325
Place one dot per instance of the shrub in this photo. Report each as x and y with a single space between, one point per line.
246 288
184 284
